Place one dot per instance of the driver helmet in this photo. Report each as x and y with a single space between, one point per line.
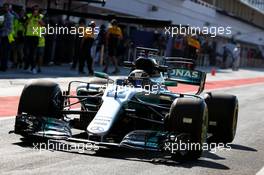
138 74
138 77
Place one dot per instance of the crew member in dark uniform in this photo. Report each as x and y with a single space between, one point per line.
86 45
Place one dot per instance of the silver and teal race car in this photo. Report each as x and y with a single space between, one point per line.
136 112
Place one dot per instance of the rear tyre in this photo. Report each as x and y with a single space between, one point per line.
41 98
223 115
188 116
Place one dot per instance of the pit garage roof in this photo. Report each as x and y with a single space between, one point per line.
82 8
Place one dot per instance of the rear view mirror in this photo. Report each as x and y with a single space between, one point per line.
129 64
101 75
170 83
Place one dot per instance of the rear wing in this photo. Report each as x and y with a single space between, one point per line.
146 52
182 71
187 76
179 62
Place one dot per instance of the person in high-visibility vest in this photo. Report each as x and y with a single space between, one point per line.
40 52
6 24
193 47
33 22
113 37
86 45
18 34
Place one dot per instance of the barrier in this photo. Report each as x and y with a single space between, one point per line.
252 62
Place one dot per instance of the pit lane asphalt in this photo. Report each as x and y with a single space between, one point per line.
245 158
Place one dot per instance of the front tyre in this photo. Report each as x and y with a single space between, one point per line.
41 102
41 98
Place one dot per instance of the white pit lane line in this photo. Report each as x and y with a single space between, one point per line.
227 88
261 171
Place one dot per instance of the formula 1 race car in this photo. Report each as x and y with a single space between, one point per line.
137 112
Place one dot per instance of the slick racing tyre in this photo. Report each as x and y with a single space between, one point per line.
223 115
41 98
188 116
